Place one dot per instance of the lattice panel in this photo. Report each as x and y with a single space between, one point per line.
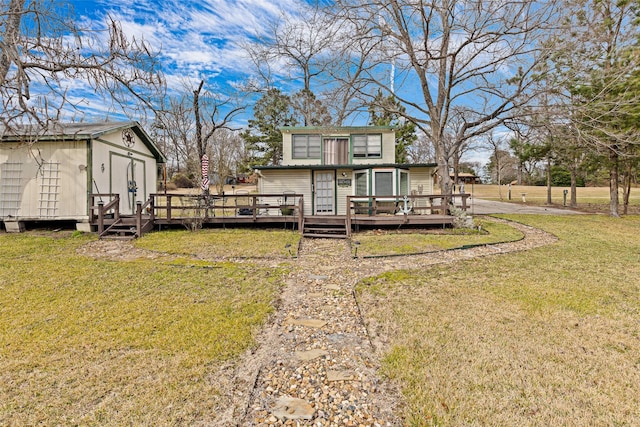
10 188
49 190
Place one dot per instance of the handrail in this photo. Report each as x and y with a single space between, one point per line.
102 209
395 204
185 207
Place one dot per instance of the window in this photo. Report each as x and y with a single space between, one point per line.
306 146
404 183
367 146
362 183
336 151
383 183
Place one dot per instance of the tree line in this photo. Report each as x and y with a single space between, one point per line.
541 82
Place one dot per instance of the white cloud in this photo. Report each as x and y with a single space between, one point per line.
197 38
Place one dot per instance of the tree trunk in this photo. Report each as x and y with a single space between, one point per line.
613 183
519 173
574 184
626 191
201 146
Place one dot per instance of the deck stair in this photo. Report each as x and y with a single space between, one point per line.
332 227
124 228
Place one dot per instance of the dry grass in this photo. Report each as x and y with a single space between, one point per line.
545 337
591 199
224 243
90 342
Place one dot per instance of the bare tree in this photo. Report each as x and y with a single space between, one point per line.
42 48
471 61
175 125
212 114
227 148
501 165
299 46
421 151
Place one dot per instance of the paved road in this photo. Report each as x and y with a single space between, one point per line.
483 207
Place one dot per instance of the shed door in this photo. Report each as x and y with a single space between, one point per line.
324 197
128 180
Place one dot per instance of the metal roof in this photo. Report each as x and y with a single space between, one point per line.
350 166
78 132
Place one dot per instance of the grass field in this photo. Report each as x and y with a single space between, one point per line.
377 243
140 342
593 199
549 336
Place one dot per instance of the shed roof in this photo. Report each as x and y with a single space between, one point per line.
78 132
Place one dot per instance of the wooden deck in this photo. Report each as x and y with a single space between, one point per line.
281 210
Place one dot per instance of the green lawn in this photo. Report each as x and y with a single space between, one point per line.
549 336
96 342
405 242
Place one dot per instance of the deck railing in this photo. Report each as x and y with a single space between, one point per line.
429 204
98 210
174 206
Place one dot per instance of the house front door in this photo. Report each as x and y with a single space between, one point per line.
324 198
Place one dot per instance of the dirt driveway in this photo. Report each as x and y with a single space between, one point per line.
486 207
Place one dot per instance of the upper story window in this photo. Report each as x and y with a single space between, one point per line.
367 146
306 146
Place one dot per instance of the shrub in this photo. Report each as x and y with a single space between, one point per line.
181 180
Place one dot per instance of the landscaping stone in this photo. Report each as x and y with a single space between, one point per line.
291 408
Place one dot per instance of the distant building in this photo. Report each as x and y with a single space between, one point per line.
465 177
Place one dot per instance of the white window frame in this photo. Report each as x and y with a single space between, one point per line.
396 181
305 145
372 148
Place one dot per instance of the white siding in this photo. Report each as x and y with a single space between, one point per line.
421 177
343 192
112 164
52 187
279 181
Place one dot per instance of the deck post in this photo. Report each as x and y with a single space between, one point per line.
168 207
138 219
254 203
348 225
300 215
100 217
152 208
116 215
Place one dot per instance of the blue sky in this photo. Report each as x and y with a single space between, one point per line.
197 39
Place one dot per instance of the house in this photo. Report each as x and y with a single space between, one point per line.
50 176
463 178
328 164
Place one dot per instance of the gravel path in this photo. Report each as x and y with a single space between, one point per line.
316 364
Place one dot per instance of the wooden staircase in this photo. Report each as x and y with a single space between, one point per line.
331 227
112 225
124 228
